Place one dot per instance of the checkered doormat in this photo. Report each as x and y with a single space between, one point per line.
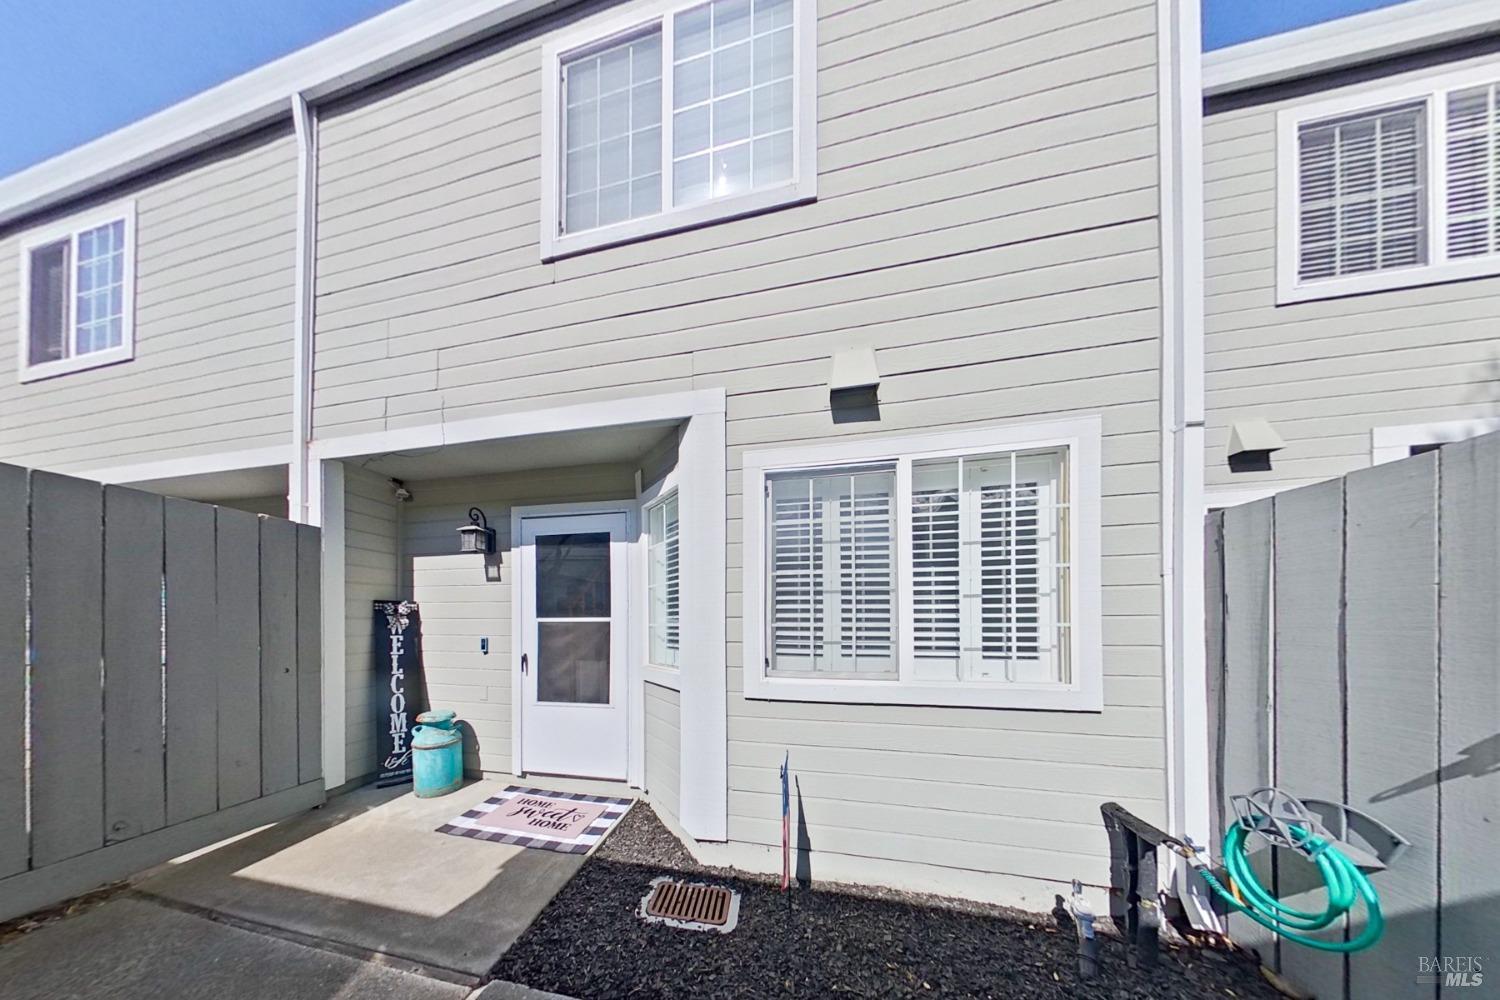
569 822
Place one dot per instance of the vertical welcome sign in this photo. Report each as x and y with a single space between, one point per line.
400 694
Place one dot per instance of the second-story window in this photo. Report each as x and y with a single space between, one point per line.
78 278
1390 189
1361 194
698 112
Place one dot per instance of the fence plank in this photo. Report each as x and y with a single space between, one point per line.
278 654
67 705
14 849
309 653
1309 581
237 596
192 685
1213 606
1469 693
134 778
1247 669
1391 643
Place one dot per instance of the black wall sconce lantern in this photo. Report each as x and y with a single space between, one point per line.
476 536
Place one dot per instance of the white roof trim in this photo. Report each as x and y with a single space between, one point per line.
401 37
1348 41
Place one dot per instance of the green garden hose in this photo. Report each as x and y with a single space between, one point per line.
1342 878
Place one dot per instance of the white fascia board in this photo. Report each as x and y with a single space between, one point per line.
1348 41
402 37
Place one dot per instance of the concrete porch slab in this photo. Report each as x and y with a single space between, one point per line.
369 875
131 949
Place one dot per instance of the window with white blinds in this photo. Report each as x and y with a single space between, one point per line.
984 550
1361 202
988 576
1473 148
663 596
833 566
1404 191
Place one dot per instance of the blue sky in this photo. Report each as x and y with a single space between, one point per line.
1228 22
88 67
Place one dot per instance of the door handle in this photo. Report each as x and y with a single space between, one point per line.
523 663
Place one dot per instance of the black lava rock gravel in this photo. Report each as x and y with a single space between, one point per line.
824 942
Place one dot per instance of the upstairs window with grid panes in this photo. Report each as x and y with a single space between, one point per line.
694 114
1404 191
78 282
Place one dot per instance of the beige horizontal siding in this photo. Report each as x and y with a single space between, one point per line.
212 371
664 749
986 220
1324 373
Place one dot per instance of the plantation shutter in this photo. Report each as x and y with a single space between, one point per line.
988 569
1473 149
664 599
673 595
832 572
935 565
1361 193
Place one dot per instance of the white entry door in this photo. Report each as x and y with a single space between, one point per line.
574 646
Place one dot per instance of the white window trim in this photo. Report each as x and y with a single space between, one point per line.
1391 444
1431 90
655 673
51 233
1081 436
598 34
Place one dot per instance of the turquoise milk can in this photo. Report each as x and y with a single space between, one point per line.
437 755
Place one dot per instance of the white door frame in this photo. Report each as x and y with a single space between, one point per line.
633 706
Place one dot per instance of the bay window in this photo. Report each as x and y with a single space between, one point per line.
958 568
684 114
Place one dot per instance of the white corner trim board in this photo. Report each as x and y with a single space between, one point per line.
305 123
398 39
1390 31
1184 674
1083 688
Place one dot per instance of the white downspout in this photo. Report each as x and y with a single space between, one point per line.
305 122
1180 109
315 492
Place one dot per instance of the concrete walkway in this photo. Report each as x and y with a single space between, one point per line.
361 898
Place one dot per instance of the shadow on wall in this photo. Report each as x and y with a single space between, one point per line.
803 869
1475 761
471 750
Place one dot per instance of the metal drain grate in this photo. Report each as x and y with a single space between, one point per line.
691 905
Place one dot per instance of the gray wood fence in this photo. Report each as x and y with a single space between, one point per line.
160 681
1354 655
